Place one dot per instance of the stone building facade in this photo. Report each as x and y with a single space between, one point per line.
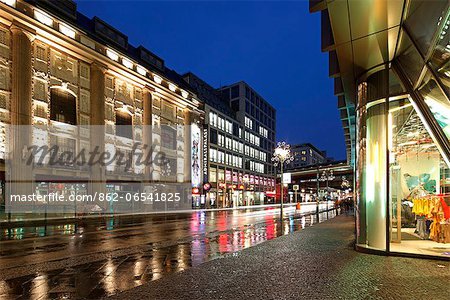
81 85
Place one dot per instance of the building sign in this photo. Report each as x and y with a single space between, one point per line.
270 193
227 176
206 186
195 155
205 153
286 179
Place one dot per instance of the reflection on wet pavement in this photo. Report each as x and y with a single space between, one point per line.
100 257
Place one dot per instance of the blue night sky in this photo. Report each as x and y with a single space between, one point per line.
273 46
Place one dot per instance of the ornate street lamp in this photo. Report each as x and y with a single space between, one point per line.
282 155
326 176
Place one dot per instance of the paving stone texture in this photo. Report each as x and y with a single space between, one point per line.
318 262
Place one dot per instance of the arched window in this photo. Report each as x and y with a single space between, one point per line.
63 106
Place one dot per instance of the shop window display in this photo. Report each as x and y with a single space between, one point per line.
419 187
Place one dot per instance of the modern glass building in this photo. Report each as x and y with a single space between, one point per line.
238 136
390 61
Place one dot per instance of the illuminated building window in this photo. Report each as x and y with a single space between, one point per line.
141 70
157 79
213 155
213 119
9 2
248 122
67 31
112 55
124 123
172 87
221 123
213 175
127 63
228 143
229 127
63 106
221 157
43 18
221 140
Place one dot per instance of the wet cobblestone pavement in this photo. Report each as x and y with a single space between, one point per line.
95 258
316 263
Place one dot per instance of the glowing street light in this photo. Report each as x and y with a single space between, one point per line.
281 155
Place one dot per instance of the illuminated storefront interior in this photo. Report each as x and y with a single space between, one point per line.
391 65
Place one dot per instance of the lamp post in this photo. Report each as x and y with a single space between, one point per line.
281 155
326 176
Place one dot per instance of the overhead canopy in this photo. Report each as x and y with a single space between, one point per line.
364 35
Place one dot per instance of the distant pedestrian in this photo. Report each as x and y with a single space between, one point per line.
346 207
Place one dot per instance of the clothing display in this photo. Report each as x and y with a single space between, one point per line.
421 228
445 208
419 187
435 209
422 207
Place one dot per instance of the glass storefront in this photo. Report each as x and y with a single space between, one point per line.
402 141
42 210
402 180
232 189
418 185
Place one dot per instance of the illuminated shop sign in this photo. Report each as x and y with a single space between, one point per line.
286 179
205 154
207 186
195 155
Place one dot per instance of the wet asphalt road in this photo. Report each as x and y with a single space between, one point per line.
98 257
